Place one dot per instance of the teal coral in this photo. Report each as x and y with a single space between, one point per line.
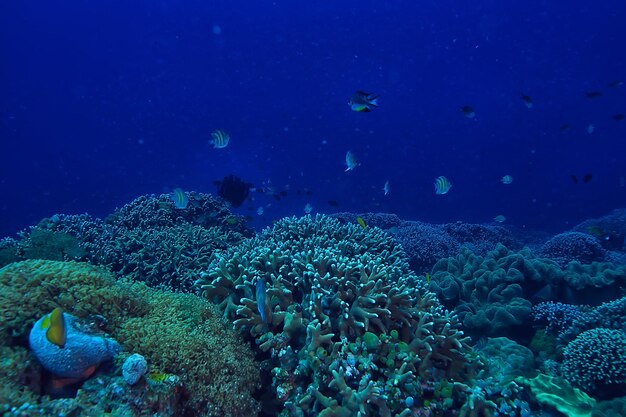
596 361
343 306
492 293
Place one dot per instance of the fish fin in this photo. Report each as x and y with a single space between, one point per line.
373 100
365 109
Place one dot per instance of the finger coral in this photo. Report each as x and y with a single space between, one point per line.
343 306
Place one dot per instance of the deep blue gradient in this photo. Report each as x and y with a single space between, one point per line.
103 101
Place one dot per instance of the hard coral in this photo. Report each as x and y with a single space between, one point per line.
331 289
148 240
573 246
596 362
178 334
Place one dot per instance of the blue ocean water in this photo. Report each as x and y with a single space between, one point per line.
104 101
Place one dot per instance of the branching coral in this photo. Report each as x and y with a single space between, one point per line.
335 292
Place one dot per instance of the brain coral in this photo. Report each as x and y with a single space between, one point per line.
596 362
180 334
332 302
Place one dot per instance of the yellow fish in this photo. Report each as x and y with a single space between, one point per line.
427 276
361 222
56 330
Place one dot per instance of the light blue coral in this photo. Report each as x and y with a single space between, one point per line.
82 352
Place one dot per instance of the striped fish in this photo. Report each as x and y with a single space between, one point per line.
260 299
442 185
179 198
220 139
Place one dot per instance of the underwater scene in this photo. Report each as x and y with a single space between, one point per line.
276 208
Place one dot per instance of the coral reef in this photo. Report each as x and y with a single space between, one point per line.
596 362
148 240
573 246
426 243
326 301
179 335
492 294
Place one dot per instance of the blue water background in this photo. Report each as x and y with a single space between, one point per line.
103 101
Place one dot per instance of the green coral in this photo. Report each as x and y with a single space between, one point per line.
180 334
558 393
345 290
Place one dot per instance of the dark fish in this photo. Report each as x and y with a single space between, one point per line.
615 83
564 127
527 101
574 178
333 203
363 102
276 197
587 177
468 111
618 117
233 190
283 193
593 94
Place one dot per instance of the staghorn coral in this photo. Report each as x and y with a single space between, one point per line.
178 334
341 305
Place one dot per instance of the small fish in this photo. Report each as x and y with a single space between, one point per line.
593 94
587 177
260 299
179 198
442 185
507 179
564 127
283 193
351 161
468 111
574 178
230 220
590 129
616 83
618 117
157 376
427 277
527 101
596 231
499 218
308 208
260 211
361 222
363 102
333 203
56 329
386 188
220 139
